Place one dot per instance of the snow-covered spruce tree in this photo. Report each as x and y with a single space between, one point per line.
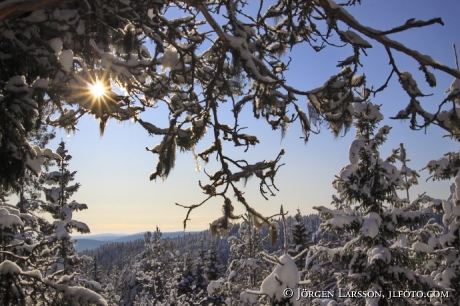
96 270
28 249
246 269
191 56
444 249
111 291
19 257
58 204
285 275
160 255
318 270
213 263
64 264
91 274
18 115
184 275
179 284
200 282
129 287
313 222
378 254
148 279
215 272
188 281
299 238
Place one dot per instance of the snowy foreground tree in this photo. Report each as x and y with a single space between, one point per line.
38 261
446 264
246 268
191 56
388 244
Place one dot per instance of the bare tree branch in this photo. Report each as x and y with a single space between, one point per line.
341 14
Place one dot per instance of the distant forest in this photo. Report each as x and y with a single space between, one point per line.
119 254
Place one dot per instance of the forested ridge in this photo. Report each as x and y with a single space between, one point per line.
206 259
115 253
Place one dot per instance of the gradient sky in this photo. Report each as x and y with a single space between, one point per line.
114 170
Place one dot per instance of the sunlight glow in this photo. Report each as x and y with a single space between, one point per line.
97 89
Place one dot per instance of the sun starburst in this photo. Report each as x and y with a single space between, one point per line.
97 89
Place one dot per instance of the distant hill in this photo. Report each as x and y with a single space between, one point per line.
101 237
89 242
141 236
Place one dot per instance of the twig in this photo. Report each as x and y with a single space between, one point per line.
455 56
271 259
190 208
413 24
298 256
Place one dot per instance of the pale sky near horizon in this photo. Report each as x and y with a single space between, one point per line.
114 170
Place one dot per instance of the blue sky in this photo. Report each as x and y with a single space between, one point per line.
114 170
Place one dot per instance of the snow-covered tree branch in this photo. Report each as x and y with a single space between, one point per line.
192 57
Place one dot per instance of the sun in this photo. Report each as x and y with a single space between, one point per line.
97 89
